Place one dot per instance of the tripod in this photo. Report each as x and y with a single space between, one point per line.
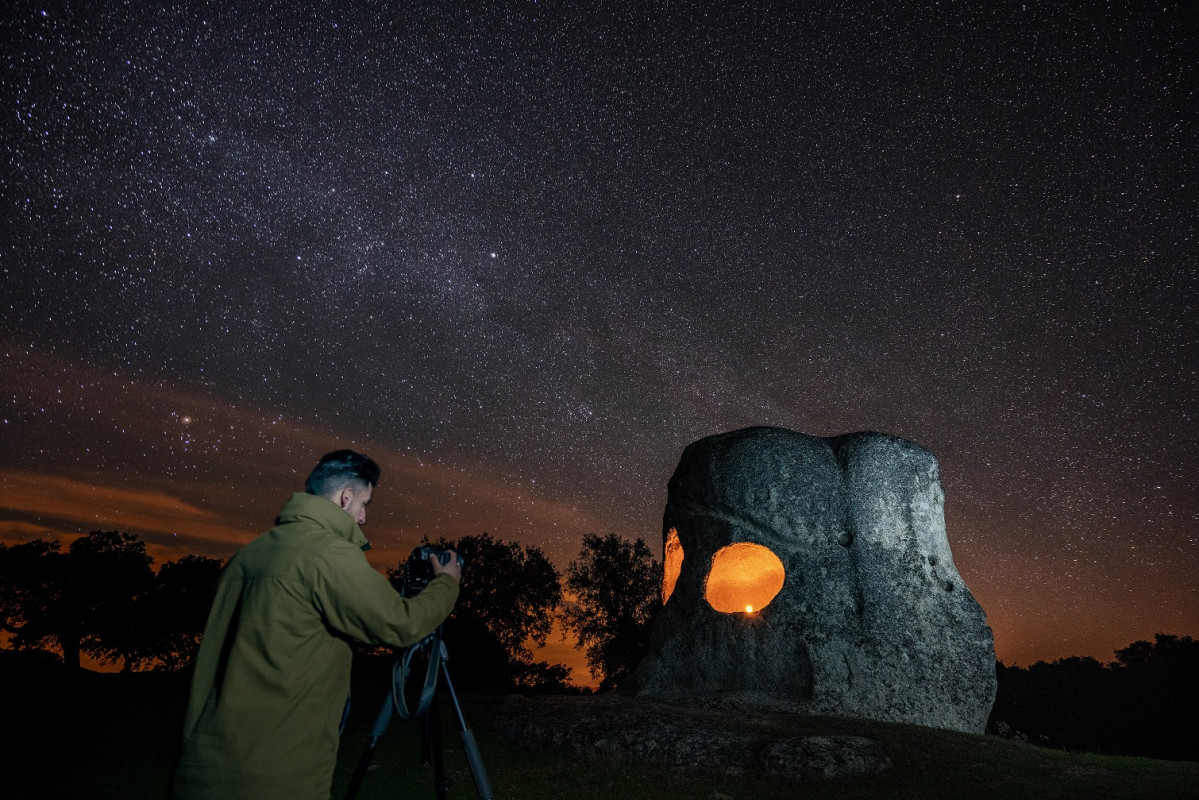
433 652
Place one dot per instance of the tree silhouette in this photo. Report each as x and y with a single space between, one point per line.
78 601
183 591
617 586
31 579
1145 703
165 629
108 572
509 595
1158 683
101 597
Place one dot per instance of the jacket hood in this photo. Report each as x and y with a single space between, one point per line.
324 512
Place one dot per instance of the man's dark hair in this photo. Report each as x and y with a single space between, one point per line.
339 468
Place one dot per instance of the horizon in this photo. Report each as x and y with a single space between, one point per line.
175 513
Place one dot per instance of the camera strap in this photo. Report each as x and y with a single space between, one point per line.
430 645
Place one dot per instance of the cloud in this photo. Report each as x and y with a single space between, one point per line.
190 471
16 530
57 501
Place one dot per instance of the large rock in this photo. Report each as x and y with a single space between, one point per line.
872 618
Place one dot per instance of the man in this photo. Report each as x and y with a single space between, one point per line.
273 672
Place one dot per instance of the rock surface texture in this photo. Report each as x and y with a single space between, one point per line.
872 620
689 736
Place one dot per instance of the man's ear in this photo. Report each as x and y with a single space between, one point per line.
345 496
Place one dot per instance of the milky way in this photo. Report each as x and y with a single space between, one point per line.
525 253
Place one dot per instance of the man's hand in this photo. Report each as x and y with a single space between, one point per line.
452 569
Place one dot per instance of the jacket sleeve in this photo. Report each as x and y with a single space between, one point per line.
358 601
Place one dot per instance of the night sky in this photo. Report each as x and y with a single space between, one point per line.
524 253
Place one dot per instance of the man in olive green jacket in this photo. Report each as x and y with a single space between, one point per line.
273 672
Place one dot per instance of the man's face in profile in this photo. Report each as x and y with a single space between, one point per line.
354 501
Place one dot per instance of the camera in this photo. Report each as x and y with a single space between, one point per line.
418 571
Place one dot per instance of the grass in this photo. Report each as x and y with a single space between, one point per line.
115 737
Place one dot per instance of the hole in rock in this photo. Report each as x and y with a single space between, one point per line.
672 564
744 578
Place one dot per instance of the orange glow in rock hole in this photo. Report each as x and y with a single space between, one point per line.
744 577
672 563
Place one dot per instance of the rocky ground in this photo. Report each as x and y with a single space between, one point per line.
696 736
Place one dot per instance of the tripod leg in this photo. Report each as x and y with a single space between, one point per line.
440 782
426 739
364 763
468 742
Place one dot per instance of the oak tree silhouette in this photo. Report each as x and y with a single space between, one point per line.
617 592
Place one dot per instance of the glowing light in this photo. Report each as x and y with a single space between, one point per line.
673 564
744 577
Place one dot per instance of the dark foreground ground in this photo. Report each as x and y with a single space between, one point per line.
113 736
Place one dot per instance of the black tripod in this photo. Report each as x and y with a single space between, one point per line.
432 652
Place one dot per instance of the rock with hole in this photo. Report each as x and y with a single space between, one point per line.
814 574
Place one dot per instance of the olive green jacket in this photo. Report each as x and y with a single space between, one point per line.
273 672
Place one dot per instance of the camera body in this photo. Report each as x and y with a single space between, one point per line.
418 571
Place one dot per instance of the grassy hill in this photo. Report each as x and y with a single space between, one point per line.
112 736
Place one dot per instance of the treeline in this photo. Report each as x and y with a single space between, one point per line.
1145 703
102 597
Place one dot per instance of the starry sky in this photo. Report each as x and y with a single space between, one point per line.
524 253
